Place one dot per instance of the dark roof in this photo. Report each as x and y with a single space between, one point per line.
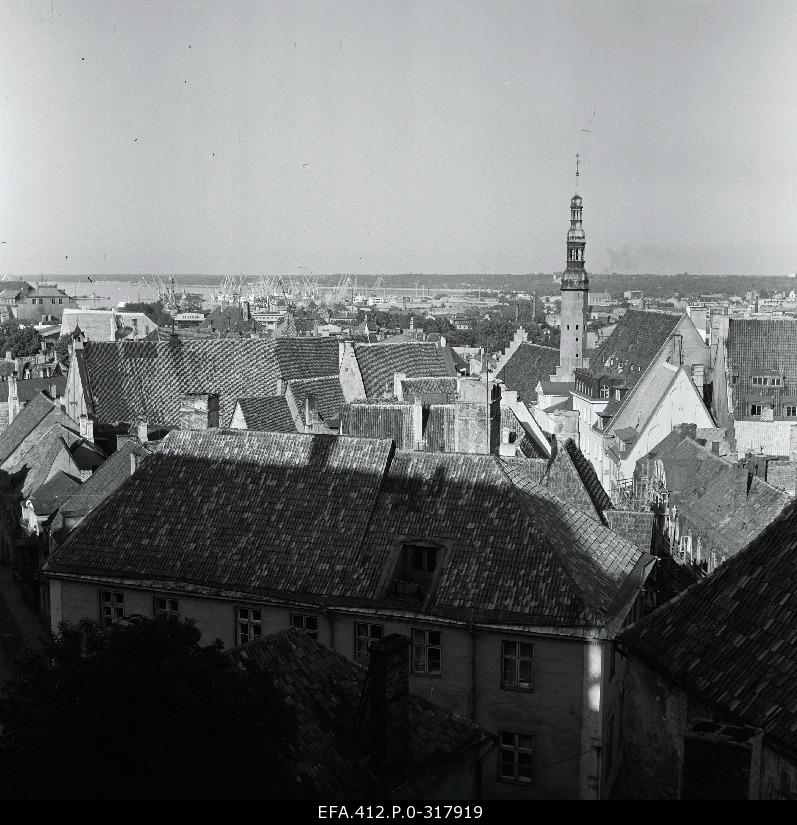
526 441
635 525
230 320
761 347
270 413
527 366
378 363
634 342
327 392
440 390
730 638
325 521
599 497
325 690
373 418
51 495
27 388
105 479
702 486
130 380
24 424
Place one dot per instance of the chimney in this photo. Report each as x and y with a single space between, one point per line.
741 481
310 412
89 436
247 311
143 431
507 447
83 424
133 463
388 695
398 392
199 411
13 397
9 355
53 391
417 422
280 387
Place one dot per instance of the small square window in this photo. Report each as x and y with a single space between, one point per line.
305 622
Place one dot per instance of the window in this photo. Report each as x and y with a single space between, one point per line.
248 624
420 562
365 635
791 411
112 607
166 608
60 300
426 652
309 624
604 390
755 409
517 666
514 756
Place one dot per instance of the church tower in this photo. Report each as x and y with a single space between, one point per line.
575 296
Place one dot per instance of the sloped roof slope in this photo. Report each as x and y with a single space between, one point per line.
527 366
730 638
378 363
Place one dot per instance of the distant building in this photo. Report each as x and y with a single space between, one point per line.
36 304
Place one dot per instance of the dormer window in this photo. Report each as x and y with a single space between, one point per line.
420 561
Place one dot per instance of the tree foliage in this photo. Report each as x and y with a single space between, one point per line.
20 340
141 711
62 347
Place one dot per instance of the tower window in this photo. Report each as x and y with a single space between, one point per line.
576 326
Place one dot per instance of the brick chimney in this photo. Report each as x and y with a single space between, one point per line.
741 481
199 411
142 431
388 695
310 412
398 391
13 397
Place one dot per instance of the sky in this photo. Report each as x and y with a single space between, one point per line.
392 137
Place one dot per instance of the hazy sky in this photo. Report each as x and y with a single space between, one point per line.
396 136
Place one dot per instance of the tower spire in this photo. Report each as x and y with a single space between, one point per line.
577 162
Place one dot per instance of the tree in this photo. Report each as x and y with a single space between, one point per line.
21 341
62 347
141 711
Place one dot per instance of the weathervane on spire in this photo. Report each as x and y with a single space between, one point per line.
577 162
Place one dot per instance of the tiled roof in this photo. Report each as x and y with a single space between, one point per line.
35 467
634 342
762 346
525 441
128 380
636 526
527 366
95 324
730 638
28 388
378 363
321 516
24 424
702 486
105 479
51 495
390 419
599 497
270 413
435 390
230 320
325 690
327 392
47 291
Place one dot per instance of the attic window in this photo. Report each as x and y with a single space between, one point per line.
420 561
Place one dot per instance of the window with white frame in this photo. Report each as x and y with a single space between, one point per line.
426 652
167 608
517 665
112 607
305 622
605 390
365 634
248 624
791 411
515 753
755 409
